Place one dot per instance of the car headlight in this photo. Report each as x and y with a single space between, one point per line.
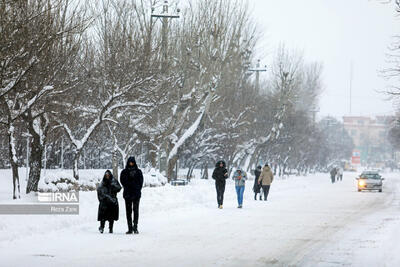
361 183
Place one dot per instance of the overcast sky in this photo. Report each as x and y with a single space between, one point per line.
336 33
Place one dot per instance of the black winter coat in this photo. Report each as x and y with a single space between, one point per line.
220 174
132 181
257 186
107 195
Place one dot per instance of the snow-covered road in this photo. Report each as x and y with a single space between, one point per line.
306 222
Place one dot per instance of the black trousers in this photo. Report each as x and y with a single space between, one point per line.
265 189
220 187
132 206
110 224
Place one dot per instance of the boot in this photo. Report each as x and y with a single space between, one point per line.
135 230
130 229
101 228
255 197
111 227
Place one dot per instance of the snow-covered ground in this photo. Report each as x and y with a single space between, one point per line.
306 222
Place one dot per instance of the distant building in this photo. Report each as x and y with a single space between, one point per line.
370 137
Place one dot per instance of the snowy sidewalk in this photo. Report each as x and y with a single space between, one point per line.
301 224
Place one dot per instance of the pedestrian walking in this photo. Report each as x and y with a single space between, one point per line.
240 178
257 186
265 180
340 174
220 174
132 181
333 174
108 202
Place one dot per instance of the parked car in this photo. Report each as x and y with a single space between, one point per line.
369 180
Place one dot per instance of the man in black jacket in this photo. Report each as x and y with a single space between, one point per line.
132 181
220 175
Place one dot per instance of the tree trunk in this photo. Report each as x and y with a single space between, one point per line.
36 152
13 162
153 155
35 164
115 162
76 165
254 158
205 171
188 173
171 167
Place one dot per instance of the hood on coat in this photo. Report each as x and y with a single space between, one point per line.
133 160
259 167
239 169
219 162
107 181
266 168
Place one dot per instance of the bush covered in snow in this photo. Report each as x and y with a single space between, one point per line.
154 178
63 181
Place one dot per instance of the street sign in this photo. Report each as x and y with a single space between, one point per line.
356 157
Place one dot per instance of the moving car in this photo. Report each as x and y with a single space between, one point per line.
369 180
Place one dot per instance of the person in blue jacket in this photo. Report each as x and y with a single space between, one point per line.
240 178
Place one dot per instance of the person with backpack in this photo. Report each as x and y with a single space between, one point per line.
220 174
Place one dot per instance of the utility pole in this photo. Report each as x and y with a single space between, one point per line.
164 18
314 111
350 85
257 70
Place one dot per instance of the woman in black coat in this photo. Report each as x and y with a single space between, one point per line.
108 206
257 186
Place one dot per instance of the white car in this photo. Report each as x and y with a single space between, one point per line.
369 180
